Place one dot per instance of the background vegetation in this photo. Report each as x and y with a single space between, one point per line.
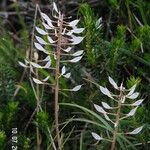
120 49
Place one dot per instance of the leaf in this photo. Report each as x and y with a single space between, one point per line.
77 30
78 53
40 40
76 59
132 89
22 64
132 112
105 91
76 88
137 103
133 96
113 83
47 19
46 26
76 39
136 131
96 136
63 70
68 49
50 40
105 105
44 80
99 109
55 7
67 75
37 81
41 31
74 23
39 47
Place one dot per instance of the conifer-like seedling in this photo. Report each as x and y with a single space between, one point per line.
61 35
125 98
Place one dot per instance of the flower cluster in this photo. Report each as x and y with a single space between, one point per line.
121 100
61 36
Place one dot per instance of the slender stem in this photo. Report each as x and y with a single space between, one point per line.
117 120
37 86
58 50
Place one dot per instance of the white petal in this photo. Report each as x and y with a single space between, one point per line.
73 23
76 59
35 65
36 55
39 47
40 40
105 91
68 49
63 70
76 39
77 30
26 61
46 18
76 88
123 99
78 53
136 131
133 96
96 136
106 117
55 7
50 40
105 105
37 81
22 64
137 103
132 112
41 31
47 59
113 83
99 23
69 33
67 75
46 26
46 79
99 109
132 89
47 65
55 57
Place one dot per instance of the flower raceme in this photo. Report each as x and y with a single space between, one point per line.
58 34
121 100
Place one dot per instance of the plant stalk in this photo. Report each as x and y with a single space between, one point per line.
117 119
58 50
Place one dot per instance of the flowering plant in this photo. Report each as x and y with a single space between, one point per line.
61 36
120 100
